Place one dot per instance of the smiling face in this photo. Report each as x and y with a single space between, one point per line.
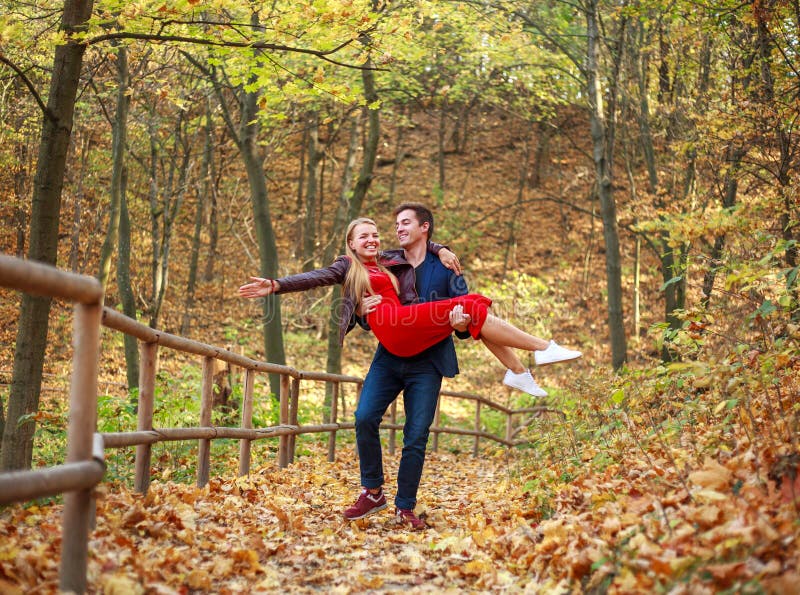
409 231
365 242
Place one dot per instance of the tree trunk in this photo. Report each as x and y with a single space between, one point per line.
334 357
602 163
213 225
344 212
511 241
301 181
17 445
344 209
643 119
155 219
440 144
673 273
118 143
637 264
461 127
246 138
398 153
309 221
77 210
541 154
730 189
373 136
783 139
204 190
180 163
265 235
21 183
124 285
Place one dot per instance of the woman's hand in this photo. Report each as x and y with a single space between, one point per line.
259 287
450 260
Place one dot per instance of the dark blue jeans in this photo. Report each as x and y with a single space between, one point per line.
387 377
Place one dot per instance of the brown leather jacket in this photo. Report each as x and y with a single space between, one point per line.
394 260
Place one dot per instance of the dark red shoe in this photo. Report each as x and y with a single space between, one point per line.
366 505
407 517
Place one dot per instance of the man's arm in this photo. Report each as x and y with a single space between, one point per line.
459 321
446 256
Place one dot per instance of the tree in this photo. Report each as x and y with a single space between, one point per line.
205 188
603 155
118 165
17 445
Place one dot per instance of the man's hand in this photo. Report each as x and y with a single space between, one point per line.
368 304
458 320
450 260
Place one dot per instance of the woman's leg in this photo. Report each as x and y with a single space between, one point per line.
503 334
506 356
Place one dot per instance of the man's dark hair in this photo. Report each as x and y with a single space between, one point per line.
424 214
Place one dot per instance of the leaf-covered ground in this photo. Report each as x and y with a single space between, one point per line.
283 530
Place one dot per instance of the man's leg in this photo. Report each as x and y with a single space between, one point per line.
381 386
422 384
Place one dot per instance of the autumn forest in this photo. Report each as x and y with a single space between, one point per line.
619 176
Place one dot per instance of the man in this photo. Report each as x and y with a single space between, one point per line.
418 377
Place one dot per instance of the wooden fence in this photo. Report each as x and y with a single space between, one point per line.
84 465
85 451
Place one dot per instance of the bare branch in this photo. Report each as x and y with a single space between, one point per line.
31 88
258 45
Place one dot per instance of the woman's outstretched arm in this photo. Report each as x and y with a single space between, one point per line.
330 275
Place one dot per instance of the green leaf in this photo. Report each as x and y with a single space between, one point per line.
618 396
672 281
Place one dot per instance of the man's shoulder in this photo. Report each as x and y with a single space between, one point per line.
431 260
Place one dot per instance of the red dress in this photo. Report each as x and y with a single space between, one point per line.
411 329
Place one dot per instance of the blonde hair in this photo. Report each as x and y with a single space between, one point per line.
356 281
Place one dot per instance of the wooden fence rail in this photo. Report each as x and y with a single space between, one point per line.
84 465
84 461
288 428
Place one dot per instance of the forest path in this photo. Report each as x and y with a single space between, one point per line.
284 530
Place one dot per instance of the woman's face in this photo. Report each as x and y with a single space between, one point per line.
365 242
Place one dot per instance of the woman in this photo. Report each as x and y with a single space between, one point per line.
406 330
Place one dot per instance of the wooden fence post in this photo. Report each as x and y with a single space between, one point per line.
247 422
333 420
437 417
206 404
80 442
148 353
294 398
477 428
283 441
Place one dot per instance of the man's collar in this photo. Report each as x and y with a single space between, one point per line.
424 254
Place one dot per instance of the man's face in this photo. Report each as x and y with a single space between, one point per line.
408 229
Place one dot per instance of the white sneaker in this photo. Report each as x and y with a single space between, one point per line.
555 353
524 382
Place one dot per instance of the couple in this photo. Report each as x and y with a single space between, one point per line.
412 303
